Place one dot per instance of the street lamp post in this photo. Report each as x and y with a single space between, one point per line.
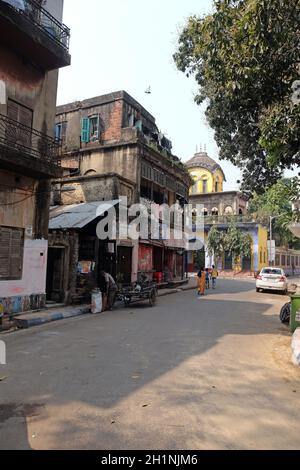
271 238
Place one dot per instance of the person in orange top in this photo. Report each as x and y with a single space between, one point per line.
201 282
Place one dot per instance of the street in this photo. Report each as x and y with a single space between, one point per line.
210 373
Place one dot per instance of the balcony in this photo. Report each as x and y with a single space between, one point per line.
25 150
226 219
33 32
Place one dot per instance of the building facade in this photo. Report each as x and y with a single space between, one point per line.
33 45
219 208
112 148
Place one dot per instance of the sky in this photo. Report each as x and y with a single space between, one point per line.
128 45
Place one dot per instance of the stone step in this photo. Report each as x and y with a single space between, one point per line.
28 320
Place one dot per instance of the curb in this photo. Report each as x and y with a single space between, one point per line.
24 323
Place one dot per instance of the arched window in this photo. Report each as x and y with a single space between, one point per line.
204 186
217 185
204 212
215 211
195 187
228 210
90 172
241 211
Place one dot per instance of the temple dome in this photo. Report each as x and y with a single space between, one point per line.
202 160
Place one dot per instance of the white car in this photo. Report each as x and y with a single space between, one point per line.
272 279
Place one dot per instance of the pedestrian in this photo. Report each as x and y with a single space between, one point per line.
293 269
109 290
201 282
207 278
214 275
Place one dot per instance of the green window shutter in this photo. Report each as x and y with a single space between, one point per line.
85 130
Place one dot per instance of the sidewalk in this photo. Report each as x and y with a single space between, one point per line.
31 319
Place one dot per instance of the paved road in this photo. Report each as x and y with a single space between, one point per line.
213 373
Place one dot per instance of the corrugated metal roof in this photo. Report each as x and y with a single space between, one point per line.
78 215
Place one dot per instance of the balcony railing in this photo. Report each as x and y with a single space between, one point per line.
228 218
34 13
21 139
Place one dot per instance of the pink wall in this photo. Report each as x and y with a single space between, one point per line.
34 271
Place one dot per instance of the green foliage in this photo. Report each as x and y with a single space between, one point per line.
277 201
233 240
245 58
215 242
237 243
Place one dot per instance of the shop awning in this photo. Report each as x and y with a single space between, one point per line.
78 215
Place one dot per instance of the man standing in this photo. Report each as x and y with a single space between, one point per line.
214 275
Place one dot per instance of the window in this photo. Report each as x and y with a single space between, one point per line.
215 211
204 186
146 189
94 128
23 115
61 132
277 272
228 210
195 188
283 260
11 253
90 129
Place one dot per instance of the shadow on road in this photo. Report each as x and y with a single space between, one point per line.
100 361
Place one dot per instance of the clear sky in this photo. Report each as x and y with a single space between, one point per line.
128 45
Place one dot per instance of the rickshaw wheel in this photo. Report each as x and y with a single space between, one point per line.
152 298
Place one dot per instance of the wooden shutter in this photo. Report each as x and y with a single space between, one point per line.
85 130
11 253
24 116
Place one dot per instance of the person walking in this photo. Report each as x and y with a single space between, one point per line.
201 282
207 278
214 276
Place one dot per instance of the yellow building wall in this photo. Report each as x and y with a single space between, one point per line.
201 174
263 256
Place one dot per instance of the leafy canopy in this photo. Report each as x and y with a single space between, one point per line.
277 202
232 240
245 58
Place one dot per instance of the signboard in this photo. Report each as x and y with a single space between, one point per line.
272 251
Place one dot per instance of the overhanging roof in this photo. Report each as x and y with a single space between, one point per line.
78 215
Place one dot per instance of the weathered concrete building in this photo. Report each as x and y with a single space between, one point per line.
112 148
33 45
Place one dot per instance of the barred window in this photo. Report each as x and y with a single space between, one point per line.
11 253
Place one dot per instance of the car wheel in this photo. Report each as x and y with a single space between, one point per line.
285 313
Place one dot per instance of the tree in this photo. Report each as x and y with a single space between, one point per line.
215 243
277 201
237 243
245 58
